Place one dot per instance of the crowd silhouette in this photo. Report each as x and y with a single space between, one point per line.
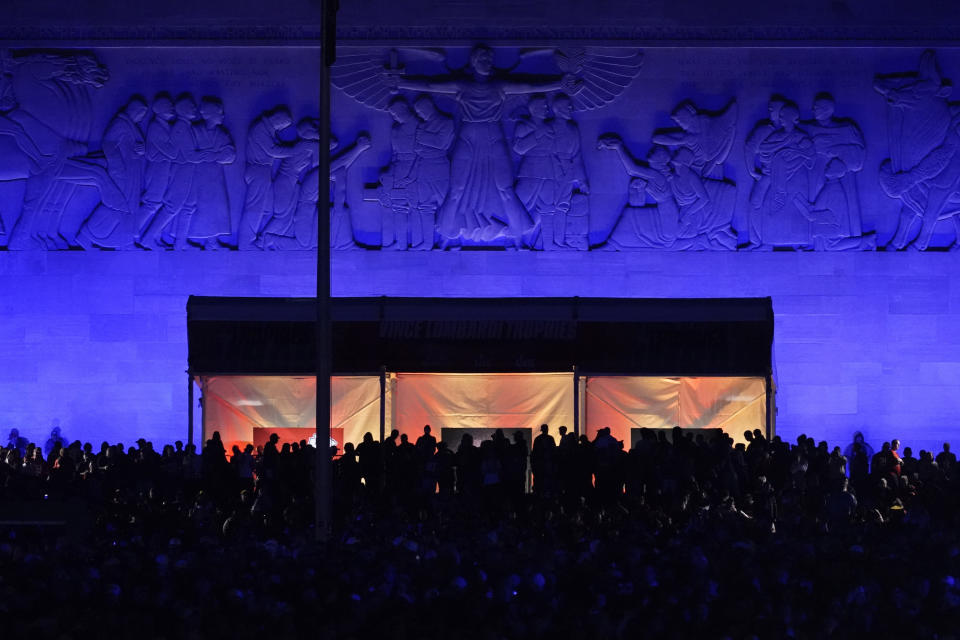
680 536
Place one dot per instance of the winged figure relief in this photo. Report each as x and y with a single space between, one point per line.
481 206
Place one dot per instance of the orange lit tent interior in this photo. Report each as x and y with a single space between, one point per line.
483 364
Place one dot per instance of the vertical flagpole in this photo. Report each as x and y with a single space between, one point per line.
323 478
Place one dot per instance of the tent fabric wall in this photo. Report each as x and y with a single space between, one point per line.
731 404
236 405
622 403
626 402
239 405
475 400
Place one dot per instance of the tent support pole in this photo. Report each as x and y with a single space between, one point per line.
770 408
203 413
383 403
576 400
189 408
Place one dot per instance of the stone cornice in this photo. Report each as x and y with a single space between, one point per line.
772 35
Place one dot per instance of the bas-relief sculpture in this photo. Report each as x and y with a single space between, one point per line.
157 171
413 186
692 203
804 194
482 154
45 113
923 170
482 205
185 197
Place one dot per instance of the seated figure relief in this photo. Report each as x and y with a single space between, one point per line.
683 175
644 224
923 170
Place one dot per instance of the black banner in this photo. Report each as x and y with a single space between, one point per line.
650 337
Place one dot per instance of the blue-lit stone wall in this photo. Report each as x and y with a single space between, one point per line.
864 341
826 178
98 340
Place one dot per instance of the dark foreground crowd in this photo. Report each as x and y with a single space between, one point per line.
679 537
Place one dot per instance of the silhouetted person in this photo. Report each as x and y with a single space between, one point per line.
896 462
909 464
56 439
468 467
407 466
859 439
371 462
515 471
543 461
946 460
389 452
271 456
881 463
859 466
426 444
446 463
16 441
347 473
